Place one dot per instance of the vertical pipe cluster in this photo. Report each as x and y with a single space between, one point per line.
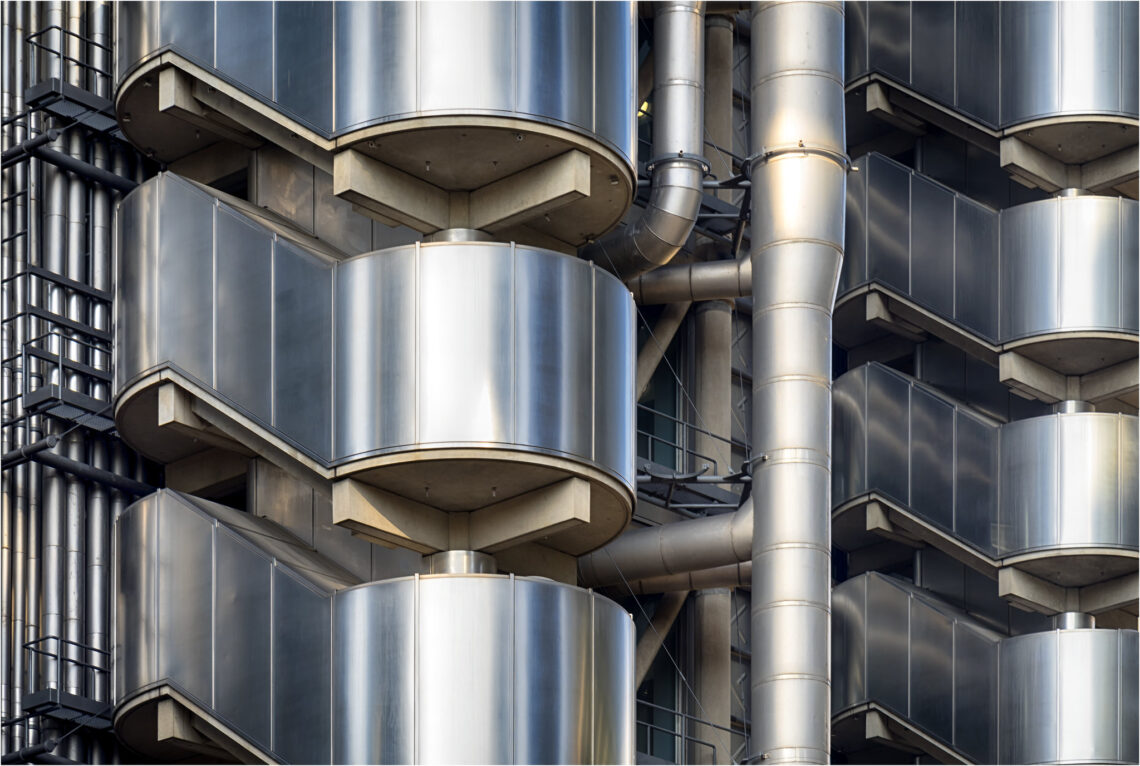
798 172
677 166
56 528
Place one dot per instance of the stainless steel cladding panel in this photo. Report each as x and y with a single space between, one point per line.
439 345
1036 59
245 295
1062 480
849 435
375 662
184 601
1061 697
1065 480
302 655
1066 264
213 611
481 669
341 67
1063 58
899 648
243 643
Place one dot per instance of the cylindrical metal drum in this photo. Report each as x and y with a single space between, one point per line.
456 374
458 94
481 669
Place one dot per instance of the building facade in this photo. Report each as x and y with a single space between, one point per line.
570 382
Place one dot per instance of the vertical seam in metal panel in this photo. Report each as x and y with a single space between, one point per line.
910 445
512 362
332 64
910 233
329 445
954 54
214 58
272 656
594 678
416 653
416 337
594 365
273 52
954 681
332 677
273 330
1119 676
954 469
512 655
419 28
160 198
1120 256
213 613
954 258
910 43
594 66
1056 694
1121 436
909 652
214 295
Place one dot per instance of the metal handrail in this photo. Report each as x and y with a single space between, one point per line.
60 661
685 737
34 42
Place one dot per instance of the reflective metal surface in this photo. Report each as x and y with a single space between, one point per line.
1061 697
678 146
1002 63
341 67
270 638
1050 697
798 171
1041 483
1058 265
445 344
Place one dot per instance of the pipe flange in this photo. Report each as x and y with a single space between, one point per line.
696 159
768 153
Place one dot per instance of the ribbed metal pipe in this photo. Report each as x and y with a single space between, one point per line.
678 140
798 173
684 546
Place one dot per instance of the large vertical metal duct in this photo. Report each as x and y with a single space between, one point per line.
677 165
798 169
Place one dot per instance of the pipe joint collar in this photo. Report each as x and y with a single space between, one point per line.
681 157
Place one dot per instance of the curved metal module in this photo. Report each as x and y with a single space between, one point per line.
236 619
473 369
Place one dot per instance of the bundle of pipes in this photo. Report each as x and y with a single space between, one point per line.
56 526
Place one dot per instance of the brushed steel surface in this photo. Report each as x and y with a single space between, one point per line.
341 67
444 344
472 668
678 146
798 205
1062 693
1058 696
243 641
1034 60
1065 264
1058 481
